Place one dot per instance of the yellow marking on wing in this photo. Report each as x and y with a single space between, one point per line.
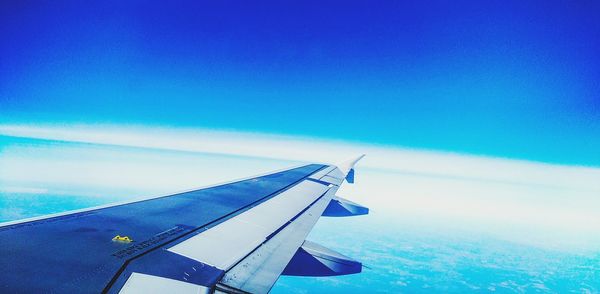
124 239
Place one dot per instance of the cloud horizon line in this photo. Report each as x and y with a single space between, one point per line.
306 149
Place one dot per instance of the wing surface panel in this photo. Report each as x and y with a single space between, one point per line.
75 253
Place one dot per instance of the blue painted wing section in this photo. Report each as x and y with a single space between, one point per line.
350 176
314 260
75 253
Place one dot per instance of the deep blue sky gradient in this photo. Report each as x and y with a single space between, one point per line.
500 78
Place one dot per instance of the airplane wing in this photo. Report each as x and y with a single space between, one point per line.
237 237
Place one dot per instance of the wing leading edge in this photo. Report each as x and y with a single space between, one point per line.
234 238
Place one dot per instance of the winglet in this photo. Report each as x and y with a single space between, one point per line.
347 165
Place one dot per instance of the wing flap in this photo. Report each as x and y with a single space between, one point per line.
142 283
225 244
261 268
314 260
343 207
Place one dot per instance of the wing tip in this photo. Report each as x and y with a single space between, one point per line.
347 165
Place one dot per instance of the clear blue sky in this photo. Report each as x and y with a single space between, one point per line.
500 78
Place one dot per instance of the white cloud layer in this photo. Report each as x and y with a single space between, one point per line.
541 204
